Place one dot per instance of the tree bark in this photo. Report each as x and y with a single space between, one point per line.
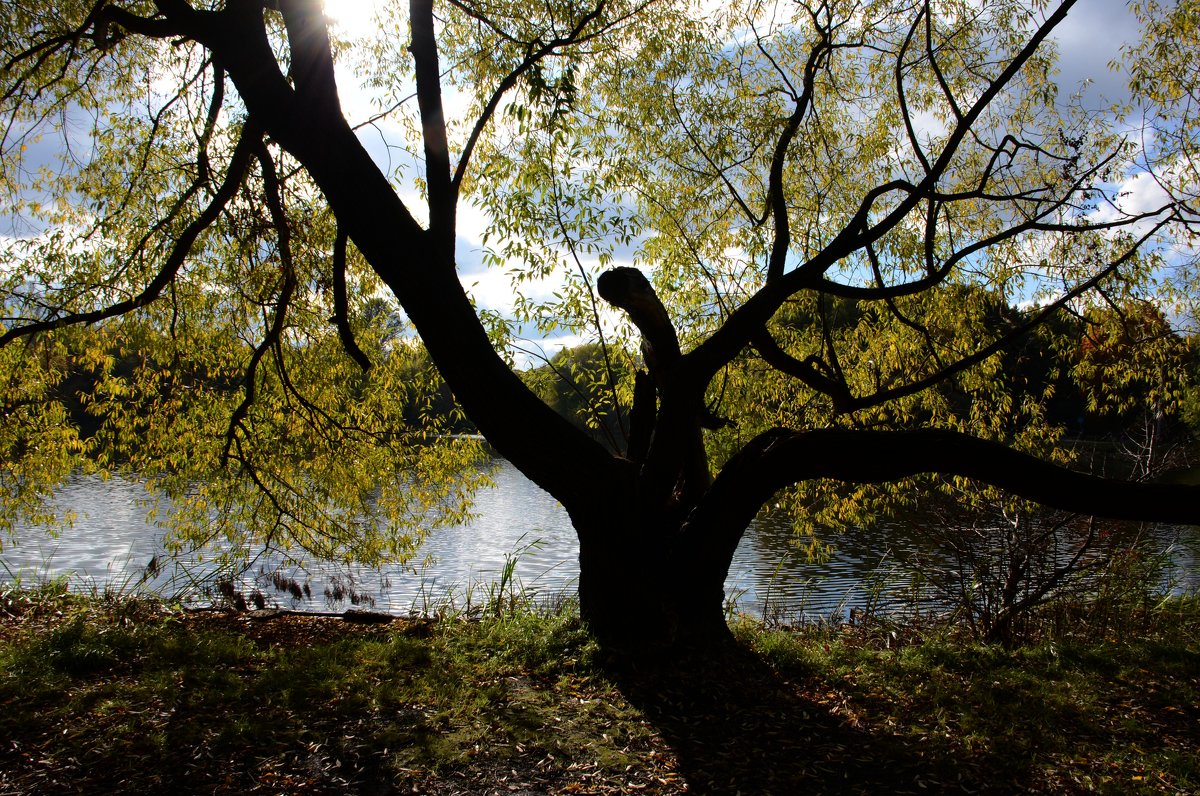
640 592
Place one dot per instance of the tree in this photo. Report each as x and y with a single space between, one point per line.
578 384
769 163
1142 390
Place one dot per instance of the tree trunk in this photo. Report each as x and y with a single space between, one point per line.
641 594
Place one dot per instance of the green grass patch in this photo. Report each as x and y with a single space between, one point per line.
1116 716
295 703
103 695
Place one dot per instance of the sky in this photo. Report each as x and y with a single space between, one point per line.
1089 39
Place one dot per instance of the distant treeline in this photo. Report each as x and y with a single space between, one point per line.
1077 366
1072 364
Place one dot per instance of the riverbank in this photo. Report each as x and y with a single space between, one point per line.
106 696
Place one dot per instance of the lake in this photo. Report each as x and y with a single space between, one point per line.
111 543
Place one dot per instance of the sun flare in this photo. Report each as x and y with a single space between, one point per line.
351 17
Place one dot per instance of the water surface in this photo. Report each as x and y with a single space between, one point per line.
111 543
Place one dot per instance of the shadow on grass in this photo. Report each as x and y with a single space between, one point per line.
737 725
529 704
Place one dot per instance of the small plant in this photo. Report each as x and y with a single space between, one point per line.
508 594
288 585
773 614
876 586
732 599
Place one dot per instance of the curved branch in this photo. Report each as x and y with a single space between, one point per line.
215 105
699 147
937 70
902 97
164 26
808 371
776 198
628 289
878 456
251 137
533 55
1004 341
340 303
880 291
274 198
741 327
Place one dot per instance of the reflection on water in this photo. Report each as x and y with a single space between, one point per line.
111 543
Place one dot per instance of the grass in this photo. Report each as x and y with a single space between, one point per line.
109 695
105 698
1117 715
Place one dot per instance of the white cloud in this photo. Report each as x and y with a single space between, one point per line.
532 353
1140 193
494 290
473 221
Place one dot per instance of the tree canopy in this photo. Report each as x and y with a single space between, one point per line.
829 226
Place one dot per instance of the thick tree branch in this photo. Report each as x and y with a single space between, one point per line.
312 55
215 106
641 417
675 468
164 26
781 457
629 290
416 267
442 201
